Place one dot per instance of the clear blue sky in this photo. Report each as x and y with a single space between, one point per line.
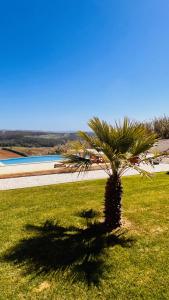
62 61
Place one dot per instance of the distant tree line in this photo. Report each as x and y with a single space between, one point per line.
47 139
34 139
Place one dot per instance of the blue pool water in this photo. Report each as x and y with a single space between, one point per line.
31 159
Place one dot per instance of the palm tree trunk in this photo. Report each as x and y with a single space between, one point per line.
113 196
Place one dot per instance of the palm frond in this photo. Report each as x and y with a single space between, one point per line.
143 144
141 171
121 137
77 163
101 129
149 160
131 166
117 144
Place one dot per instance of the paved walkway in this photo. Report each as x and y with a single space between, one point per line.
23 182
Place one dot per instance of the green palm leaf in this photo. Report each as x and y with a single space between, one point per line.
117 145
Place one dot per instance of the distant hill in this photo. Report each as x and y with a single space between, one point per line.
34 138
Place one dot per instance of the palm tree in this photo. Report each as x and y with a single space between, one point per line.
116 149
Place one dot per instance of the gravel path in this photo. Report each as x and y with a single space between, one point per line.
32 181
161 146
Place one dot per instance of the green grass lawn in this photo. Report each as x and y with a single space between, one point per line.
47 252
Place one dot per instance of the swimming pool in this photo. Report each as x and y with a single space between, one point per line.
31 160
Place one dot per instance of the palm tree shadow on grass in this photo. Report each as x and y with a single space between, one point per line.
79 253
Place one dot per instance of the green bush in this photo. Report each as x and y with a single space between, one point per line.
161 127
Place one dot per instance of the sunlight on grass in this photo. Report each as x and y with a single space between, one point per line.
52 245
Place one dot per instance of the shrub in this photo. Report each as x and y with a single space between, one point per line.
161 127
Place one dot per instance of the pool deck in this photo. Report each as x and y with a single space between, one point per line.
33 181
22 168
